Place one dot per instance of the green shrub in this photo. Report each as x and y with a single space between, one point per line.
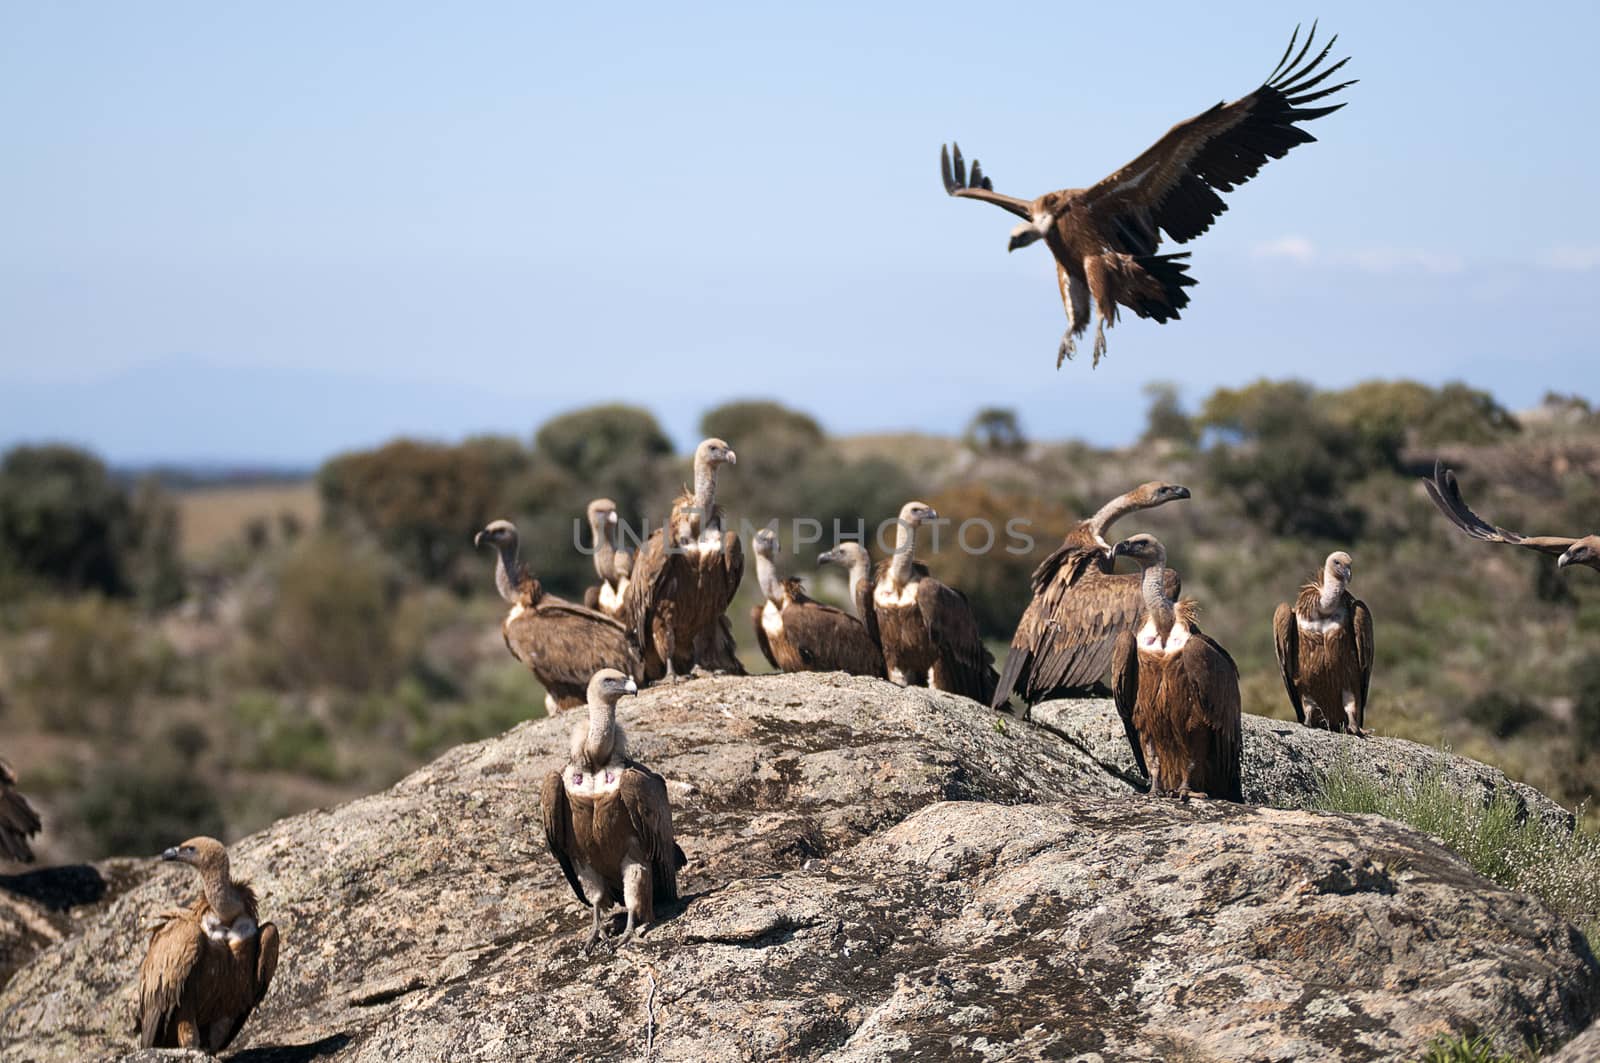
1462 1048
273 736
1501 713
91 669
139 808
63 520
1586 703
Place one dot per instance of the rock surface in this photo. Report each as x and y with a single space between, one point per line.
874 874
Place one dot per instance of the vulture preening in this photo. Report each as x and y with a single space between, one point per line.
18 821
1104 238
562 644
685 576
1176 690
607 818
612 562
1324 643
798 633
1063 643
1446 494
209 964
928 633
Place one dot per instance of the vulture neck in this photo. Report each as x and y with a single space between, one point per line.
604 552
767 577
1332 590
705 491
1158 607
505 571
860 572
601 742
1110 513
220 893
900 565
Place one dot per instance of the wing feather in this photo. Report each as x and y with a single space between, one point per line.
1286 641
1361 622
954 630
1125 692
175 950
979 187
557 816
644 795
1446 495
1215 676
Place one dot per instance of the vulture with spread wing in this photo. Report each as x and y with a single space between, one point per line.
1446 494
1104 238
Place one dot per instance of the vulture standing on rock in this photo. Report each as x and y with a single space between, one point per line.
800 634
927 630
1104 238
209 964
1446 494
1176 690
1063 643
561 643
1324 644
685 576
18 821
857 563
607 818
612 563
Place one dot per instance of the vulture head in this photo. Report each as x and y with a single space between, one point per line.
848 553
1045 211
915 513
766 543
203 853
498 533
608 685
1144 549
715 452
1338 566
602 511
1156 493
1582 552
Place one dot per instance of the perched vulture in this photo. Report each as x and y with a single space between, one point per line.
209 964
1446 494
797 633
561 643
854 559
1104 238
1324 643
1176 690
612 563
1063 643
607 819
18 821
928 633
685 576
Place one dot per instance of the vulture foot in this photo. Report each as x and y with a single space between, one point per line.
1069 347
1099 343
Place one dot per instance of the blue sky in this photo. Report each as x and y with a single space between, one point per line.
267 232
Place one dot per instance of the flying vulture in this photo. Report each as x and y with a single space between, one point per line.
209 964
1176 690
18 821
797 633
562 644
1446 494
1324 643
612 562
1104 238
607 818
854 559
1062 647
927 630
685 576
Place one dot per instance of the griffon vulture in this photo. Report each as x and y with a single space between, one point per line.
797 633
1446 494
1324 643
562 644
685 576
607 818
612 562
928 633
18 821
209 964
1063 643
1104 238
1176 690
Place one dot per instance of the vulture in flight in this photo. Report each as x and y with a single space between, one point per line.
18 821
1176 690
209 964
607 818
1104 238
1446 494
1062 647
562 644
797 633
928 633
685 576
1324 644
613 563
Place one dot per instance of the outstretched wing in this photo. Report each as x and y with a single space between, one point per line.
1125 692
977 186
1174 185
1286 641
1446 495
557 816
644 795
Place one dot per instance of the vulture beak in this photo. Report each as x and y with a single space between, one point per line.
1023 235
824 557
477 540
1178 491
733 459
611 518
170 853
1567 558
630 686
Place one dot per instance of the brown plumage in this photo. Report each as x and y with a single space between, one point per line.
928 633
208 965
685 576
797 633
1176 690
607 818
1325 648
857 563
18 821
612 563
562 644
1446 494
1104 238
1062 646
